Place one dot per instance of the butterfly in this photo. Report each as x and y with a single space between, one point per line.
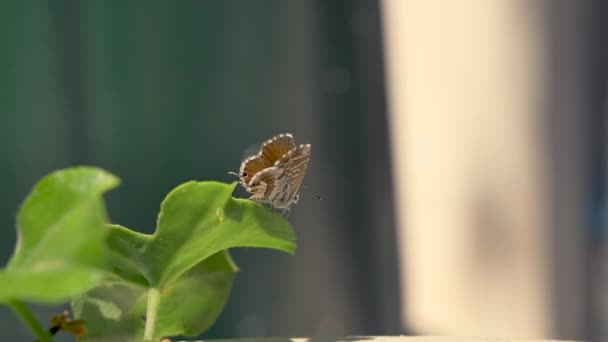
274 175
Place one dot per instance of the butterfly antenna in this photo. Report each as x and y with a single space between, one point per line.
235 174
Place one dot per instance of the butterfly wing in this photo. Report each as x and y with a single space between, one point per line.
275 148
249 168
295 164
263 184
270 152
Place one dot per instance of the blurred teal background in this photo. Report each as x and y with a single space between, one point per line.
162 92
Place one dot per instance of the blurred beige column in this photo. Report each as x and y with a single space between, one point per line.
465 81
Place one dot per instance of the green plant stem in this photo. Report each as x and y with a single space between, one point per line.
26 315
151 312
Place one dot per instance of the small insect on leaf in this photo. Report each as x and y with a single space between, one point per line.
76 327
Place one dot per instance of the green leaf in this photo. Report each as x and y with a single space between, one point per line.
176 281
61 238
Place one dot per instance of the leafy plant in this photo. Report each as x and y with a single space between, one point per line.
135 286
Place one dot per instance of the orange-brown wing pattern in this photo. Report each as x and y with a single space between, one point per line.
249 168
275 148
270 151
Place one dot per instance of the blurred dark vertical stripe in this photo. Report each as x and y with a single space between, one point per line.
344 133
351 45
575 124
67 28
383 292
597 69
